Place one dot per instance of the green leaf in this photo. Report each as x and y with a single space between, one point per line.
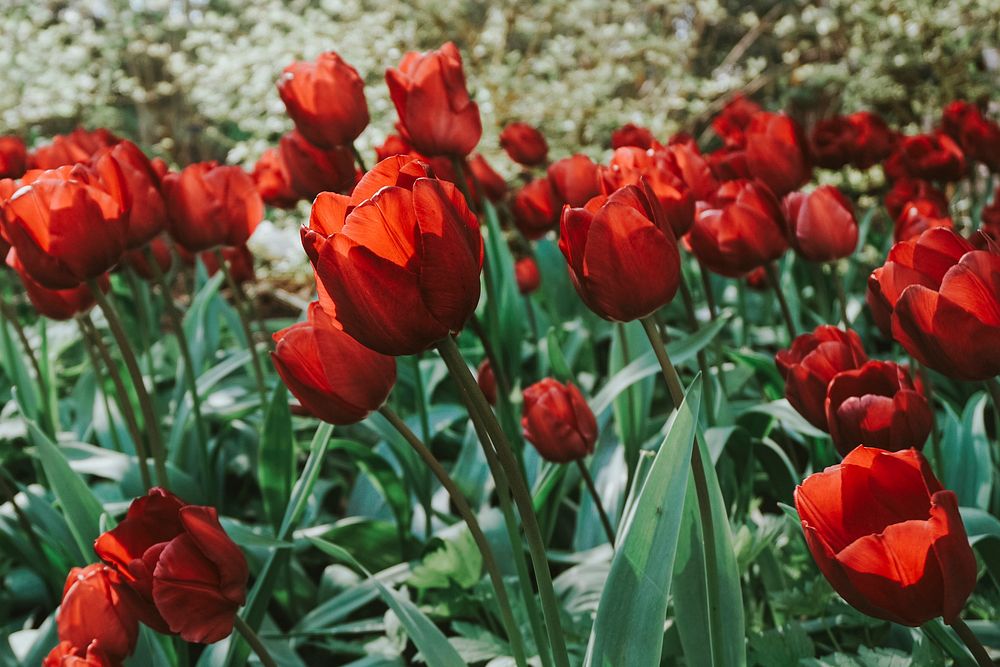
456 561
276 456
628 629
383 476
557 360
965 454
783 647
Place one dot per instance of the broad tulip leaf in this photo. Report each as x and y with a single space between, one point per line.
276 456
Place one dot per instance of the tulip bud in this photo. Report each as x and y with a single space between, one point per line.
526 273
575 180
873 140
93 609
13 157
905 190
239 262
148 214
811 362
211 205
775 153
272 180
138 261
535 208
73 148
632 135
832 142
821 224
934 157
436 115
732 121
978 136
492 184
558 422
487 381
622 255
524 144
325 99
312 170
188 575
662 173
886 536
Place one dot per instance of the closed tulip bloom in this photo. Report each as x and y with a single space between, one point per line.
211 205
978 136
874 141
906 189
148 214
740 229
325 99
436 114
631 134
527 275
189 575
335 378
55 304
524 144
93 609
536 208
73 148
13 157
878 405
917 217
832 142
272 180
68 655
821 224
728 164
67 225
622 255
734 118
662 173
775 152
575 180
811 362
487 182
887 537
400 257
558 422
487 381
312 170
934 157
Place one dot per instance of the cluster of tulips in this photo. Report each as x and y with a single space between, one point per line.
398 256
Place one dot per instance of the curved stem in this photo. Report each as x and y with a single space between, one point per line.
145 402
519 489
234 288
357 157
12 318
255 643
838 282
701 356
592 489
465 511
975 646
786 313
95 362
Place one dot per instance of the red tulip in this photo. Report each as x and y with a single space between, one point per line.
732 121
436 115
821 224
694 168
68 225
934 157
575 180
148 215
239 262
55 304
728 164
326 100
662 173
400 257
917 217
94 609
878 405
272 180
741 229
487 381
68 655
13 157
887 537
874 141
630 134
138 261
811 362
190 577
558 422
526 272
775 152
757 280
335 378
394 144
312 170
622 254
524 144
68 149
905 190
989 233
978 136
832 142
211 205
492 184
535 208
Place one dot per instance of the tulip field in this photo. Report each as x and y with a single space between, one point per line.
703 401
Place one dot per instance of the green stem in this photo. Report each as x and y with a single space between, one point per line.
142 317
238 298
522 496
465 511
702 358
838 282
10 315
425 422
357 156
255 643
95 362
786 313
6 491
462 184
975 646
145 402
588 481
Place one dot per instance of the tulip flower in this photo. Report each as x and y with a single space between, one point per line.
728 164
400 257
887 537
821 224
630 134
694 168
148 215
189 576
487 381
526 273
535 208
211 205
575 180
68 225
524 144
622 254
917 217
775 152
934 157
978 136
874 141
94 608
811 363
325 99
272 180
73 148
877 405
139 262
940 298
558 422
733 120
486 181
860 139
239 262
436 114
740 229
55 304
65 654
312 170
662 172
13 157
906 189
335 378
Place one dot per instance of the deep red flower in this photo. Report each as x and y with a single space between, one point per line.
732 121
211 205
62 304
728 164
272 180
13 156
877 405
239 262
436 115
821 224
400 257
326 100
575 180
524 144
187 573
485 180
740 229
394 144
887 537
978 136
622 254
662 172
934 157
904 190
775 152
73 148
631 134
860 139
68 655
558 422
148 214
526 273
487 381
312 170
138 261
811 362
536 208
694 168
917 217
93 608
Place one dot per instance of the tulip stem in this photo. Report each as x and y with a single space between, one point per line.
357 156
480 409
588 481
99 380
255 643
240 302
676 391
838 281
145 402
465 511
786 313
8 314
701 356
462 184
976 647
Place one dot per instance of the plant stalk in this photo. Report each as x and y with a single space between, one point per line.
592 489
241 310
255 643
976 647
786 313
